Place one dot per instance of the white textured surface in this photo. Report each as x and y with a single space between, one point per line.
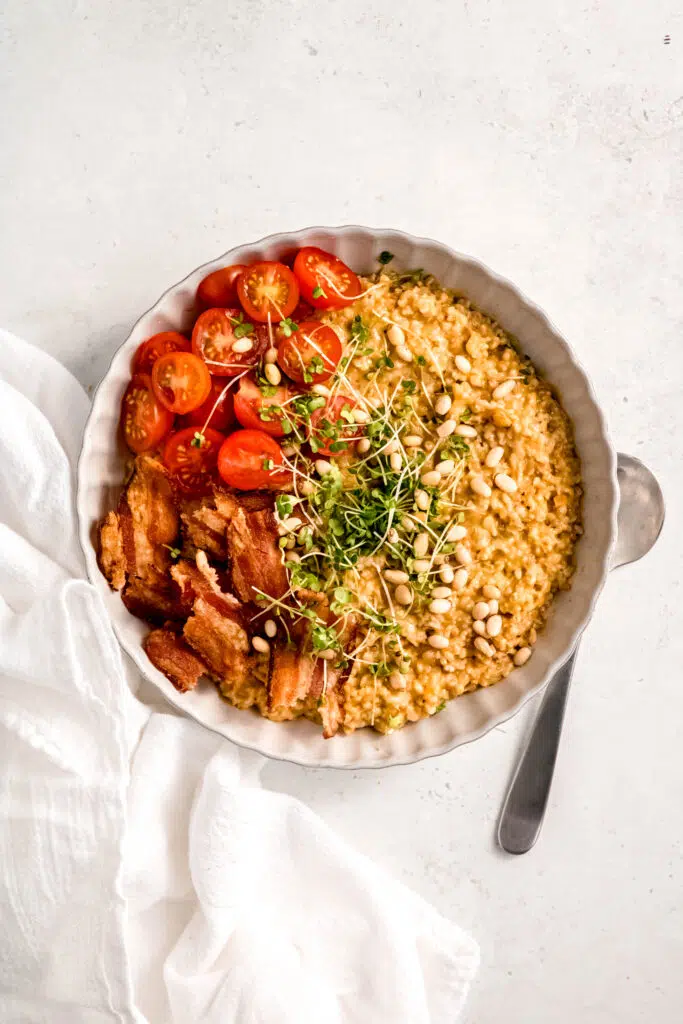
547 140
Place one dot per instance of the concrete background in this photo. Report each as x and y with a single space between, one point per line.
139 139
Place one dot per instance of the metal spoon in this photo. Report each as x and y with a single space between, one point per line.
640 520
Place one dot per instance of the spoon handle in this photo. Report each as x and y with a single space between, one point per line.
526 799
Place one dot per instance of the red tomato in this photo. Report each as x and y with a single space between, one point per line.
311 354
268 291
193 465
258 411
181 381
222 416
218 289
213 338
329 425
251 460
144 420
324 280
158 345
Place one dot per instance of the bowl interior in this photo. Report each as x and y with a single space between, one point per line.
101 468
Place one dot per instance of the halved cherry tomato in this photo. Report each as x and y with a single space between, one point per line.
191 456
251 460
218 289
214 335
268 291
220 418
144 420
310 355
257 411
158 345
330 426
325 282
181 381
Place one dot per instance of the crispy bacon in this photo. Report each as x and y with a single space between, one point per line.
155 603
172 656
135 540
252 538
204 527
216 627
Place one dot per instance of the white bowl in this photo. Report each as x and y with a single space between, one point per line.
100 473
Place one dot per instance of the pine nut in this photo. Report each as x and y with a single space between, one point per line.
288 450
243 345
463 364
464 430
438 642
362 363
479 486
443 405
491 591
272 374
322 466
456 533
391 446
441 593
307 487
431 478
421 545
445 467
505 483
438 559
396 576
533 636
395 461
360 416
392 535
503 389
493 607
290 524
479 627
460 579
480 610
396 335
446 428
421 565
522 656
446 574
439 606
320 389
403 354
328 654
462 555
363 446
270 628
397 681
494 624
403 594
271 355
494 456
422 500
412 441
483 646
260 645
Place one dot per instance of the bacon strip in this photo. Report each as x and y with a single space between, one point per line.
215 629
204 527
252 539
172 656
134 540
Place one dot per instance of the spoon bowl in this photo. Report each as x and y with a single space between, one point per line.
641 510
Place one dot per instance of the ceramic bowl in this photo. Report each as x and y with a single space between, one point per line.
100 473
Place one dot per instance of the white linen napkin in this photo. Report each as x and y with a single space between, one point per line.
144 874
